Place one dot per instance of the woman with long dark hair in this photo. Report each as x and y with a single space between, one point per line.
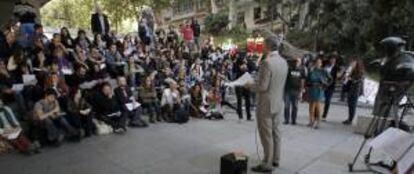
356 83
66 38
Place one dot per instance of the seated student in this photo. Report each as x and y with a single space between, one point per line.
149 100
124 96
169 100
48 117
109 110
134 72
60 58
96 63
114 60
10 97
196 104
80 113
214 104
10 125
171 108
61 89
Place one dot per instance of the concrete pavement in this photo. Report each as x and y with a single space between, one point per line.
196 147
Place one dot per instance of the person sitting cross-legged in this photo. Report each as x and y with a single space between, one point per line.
108 109
11 131
148 97
48 116
171 107
125 97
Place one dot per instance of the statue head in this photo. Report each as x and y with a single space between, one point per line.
393 46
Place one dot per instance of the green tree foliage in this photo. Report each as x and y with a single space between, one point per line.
356 26
70 13
215 23
76 13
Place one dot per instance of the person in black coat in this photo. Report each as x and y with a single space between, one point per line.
99 22
108 109
242 66
124 96
332 68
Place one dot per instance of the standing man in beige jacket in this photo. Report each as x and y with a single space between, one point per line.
269 87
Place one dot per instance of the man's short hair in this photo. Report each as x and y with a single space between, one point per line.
50 91
37 26
272 43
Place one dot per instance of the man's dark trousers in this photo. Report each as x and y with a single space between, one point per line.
291 106
243 93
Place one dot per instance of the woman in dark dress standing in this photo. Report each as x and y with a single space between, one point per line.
356 86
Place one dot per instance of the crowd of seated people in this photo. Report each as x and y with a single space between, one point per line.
64 88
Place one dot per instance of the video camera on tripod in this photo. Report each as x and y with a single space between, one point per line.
397 77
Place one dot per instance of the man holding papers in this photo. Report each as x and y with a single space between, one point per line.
129 106
269 88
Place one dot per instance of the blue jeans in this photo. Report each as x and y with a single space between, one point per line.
291 106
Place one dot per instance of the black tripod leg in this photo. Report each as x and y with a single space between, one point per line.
351 165
366 136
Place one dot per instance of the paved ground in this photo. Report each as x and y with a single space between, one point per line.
195 148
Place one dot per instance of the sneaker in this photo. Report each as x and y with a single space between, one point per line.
285 122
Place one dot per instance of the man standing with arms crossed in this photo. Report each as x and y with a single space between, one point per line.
269 87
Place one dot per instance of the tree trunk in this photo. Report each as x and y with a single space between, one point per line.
303 13
214 9
231 17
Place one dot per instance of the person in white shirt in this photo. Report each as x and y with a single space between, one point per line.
170 101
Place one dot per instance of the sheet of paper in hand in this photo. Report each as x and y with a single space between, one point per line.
67 71
88 85
13 135
29 79
115 114
241 81
102 66
133 105
17 87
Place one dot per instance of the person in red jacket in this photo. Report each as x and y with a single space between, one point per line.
250 45
188 35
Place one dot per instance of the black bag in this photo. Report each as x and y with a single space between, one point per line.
230 165
181 115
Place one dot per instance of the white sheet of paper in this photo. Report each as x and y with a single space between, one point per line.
241 81
88 85
185 97
37 69
18 87
133 105
13 135
102 66
29 79
202 109
393 142
67 71
406 161
114 114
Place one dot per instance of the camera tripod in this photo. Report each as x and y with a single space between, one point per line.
377 125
